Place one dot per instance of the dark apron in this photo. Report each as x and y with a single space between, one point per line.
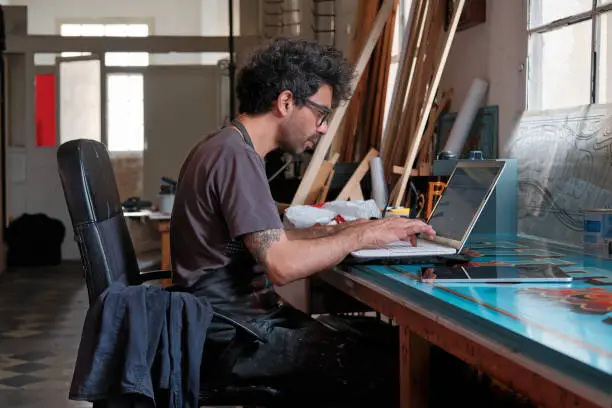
240 290
302 359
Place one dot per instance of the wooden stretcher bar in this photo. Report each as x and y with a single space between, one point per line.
325 142
427 109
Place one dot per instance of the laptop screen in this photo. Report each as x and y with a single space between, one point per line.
466 190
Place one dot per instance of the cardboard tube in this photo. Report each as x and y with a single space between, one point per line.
461 129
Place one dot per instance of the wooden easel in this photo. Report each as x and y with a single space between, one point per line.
352 188
320 187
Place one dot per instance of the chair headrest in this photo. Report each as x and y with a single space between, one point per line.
86 171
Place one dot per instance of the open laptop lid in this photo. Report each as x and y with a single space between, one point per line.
467 191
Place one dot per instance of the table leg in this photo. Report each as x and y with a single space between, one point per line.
414 370
166 265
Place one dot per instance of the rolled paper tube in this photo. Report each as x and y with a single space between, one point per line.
461 129
379 187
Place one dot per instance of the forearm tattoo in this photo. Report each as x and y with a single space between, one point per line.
259 242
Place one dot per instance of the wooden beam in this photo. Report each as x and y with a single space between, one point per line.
353 183
416 140
419 77
327 185
400 170
153 44
425 158
400 86
326 140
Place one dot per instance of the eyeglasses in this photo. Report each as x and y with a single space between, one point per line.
324 111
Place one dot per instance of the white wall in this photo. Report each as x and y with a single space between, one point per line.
176 17
495 51
215 21
37 189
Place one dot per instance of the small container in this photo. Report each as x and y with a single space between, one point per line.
597 230
166 202
475 155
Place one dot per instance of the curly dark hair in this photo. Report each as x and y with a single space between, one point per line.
298 65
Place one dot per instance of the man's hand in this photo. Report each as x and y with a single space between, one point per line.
385 231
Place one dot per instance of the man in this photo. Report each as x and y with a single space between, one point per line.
228 243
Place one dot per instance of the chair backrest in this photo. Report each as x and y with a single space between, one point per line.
88 181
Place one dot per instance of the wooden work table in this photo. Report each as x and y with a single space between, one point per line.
163 226
164 231
550 342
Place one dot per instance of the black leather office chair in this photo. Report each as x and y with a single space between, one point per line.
107 255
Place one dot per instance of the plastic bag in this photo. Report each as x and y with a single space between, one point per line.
352 210
305 216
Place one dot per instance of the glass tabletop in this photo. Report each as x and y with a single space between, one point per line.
574 319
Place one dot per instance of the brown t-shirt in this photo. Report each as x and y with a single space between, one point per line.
223 194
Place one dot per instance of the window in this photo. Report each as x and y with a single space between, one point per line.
112 59
124 91
570 53
125 112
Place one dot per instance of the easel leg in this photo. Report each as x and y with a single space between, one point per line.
414 370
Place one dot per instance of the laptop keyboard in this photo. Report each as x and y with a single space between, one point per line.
405 248
422 245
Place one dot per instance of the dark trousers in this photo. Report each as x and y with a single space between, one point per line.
311 364
353 365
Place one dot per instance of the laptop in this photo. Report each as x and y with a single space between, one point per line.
454 215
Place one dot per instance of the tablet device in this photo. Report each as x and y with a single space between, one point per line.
494 274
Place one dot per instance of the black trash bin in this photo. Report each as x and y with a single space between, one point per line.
34 240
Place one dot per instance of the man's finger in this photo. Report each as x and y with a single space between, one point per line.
417 229
413 240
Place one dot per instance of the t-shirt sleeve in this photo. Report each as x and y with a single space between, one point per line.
244 194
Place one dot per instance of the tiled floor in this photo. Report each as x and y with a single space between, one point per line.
41 317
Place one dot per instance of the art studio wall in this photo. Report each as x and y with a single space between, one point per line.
33 184
564 155
495 51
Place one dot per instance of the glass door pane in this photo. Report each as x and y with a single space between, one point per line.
80 106
125 112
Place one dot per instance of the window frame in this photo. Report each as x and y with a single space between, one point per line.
104 22
594 15
107 70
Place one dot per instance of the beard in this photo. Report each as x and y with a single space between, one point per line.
292 140
297 145
291 145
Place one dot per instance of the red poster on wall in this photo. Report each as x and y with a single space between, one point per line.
45 110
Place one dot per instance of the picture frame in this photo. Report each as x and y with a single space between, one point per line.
483 135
